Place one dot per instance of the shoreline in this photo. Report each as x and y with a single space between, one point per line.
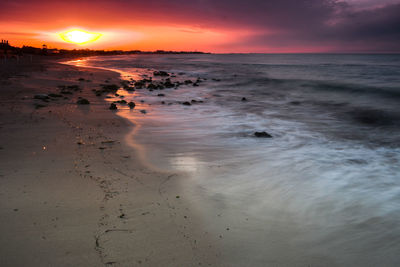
108 207
267 201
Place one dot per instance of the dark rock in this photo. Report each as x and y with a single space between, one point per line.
41 96
81 79
168 83
113 106
244 99
160 73
83 101
160 95
374 117
131 105
55 95
110 87
163 102
152 86
188 82
143 111
262 134
195 84
139 84
73 87
295 103
37 106
186 103
122 101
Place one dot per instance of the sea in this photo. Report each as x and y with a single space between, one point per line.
323 190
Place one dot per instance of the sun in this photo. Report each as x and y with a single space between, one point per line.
79 37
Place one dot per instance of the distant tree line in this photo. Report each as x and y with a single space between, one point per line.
7 50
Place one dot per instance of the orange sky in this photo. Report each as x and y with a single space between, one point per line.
205 25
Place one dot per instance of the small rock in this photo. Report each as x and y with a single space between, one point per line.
244 99
83 101
41 96
262 134
55 95
152 86
160 73
131 105
143 111
37 106
73 87
186 103
110 87
160 95
113 106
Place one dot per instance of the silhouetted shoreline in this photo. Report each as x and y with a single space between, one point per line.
7 50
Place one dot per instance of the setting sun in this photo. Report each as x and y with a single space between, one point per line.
79 36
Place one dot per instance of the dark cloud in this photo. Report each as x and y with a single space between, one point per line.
345 29
288 23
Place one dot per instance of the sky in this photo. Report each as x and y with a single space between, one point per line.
220 26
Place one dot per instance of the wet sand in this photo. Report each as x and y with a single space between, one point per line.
73 192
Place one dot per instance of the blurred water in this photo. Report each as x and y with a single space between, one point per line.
324 191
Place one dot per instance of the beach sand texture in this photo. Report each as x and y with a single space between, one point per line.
72 192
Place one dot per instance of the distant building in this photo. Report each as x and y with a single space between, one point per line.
6 50
4 44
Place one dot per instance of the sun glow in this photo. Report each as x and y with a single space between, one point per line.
79 36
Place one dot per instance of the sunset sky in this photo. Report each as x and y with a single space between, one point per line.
209 25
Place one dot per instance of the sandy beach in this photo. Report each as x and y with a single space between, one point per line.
73 192
181 179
